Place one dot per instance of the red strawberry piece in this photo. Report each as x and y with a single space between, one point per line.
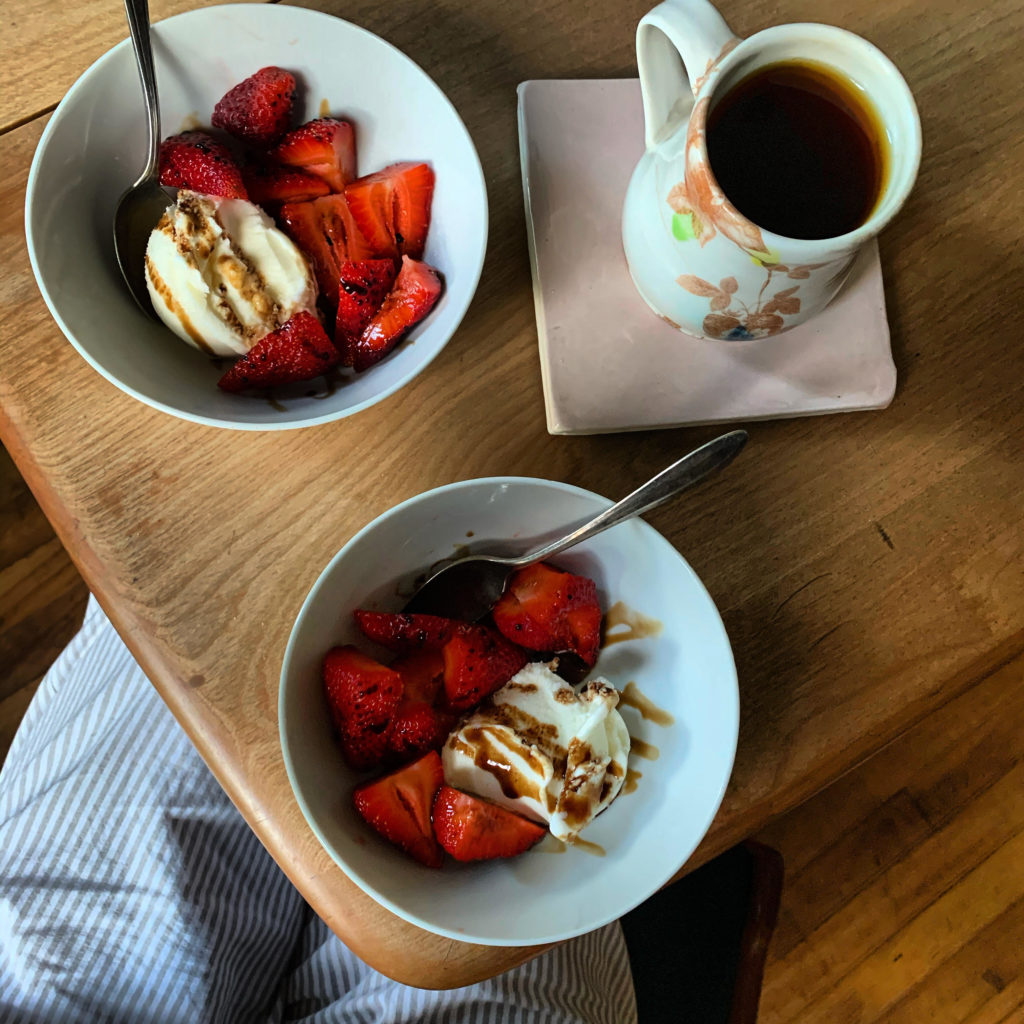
325 147
341 231
324 230
299 350
398 806
477 661
545 609
416 289
302 223
258 109
417 727
364 749
197 161
402 632
422 675
363 286
392 208
473 829
271 184
362 695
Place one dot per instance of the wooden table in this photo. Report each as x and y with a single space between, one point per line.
868 567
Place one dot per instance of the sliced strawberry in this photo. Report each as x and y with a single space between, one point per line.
324 230
362 695
416 289
473 829
258 109
477 661
325 147
422 675
299 350
417 727
398 806
364 749
363 286
545 609
303 224
392 208
344 236
197 161
269 184
402 632
360 691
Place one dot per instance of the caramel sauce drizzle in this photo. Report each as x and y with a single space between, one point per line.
631 697
638 626
648 751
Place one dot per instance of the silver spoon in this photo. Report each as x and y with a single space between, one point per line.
467 588
139 209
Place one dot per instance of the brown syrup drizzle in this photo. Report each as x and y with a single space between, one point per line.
631 697
648 751
638 626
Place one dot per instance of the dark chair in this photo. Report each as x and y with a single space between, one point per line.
698 947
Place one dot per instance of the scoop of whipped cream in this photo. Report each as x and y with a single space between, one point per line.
540 748
222 276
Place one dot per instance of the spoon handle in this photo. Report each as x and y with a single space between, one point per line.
689 470
138 25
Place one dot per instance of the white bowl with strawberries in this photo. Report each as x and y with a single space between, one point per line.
593 713
323 239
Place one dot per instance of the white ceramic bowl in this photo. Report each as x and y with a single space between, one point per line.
688 670
93 149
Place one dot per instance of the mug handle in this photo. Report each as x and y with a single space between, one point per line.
689 29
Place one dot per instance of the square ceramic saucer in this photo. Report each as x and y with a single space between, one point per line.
608 362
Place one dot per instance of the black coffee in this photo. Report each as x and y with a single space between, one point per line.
798 150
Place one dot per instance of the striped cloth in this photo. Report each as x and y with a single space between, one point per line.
132 891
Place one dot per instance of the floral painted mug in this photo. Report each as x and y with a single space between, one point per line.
697 261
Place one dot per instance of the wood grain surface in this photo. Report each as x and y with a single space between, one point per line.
42 599
46 45
868 567
904 901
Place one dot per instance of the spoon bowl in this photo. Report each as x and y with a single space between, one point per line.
468 588
142 205
138 212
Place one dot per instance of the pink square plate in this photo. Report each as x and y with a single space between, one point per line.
608 362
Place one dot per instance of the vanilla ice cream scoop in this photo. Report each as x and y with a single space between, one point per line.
222 276
540 748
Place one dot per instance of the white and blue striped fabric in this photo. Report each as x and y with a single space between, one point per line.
132 891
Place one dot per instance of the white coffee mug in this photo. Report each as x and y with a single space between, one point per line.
696 260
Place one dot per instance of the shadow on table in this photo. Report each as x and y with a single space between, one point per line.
698 948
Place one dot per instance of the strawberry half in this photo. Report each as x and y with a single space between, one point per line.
325 147
258 109
417 727
477 661
270 184
341 231
545 609
403 632
392 208
197 161
422 675
362 288
419 724
398 806
303 225
362 695
473 829
324 230
416 289
299 350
